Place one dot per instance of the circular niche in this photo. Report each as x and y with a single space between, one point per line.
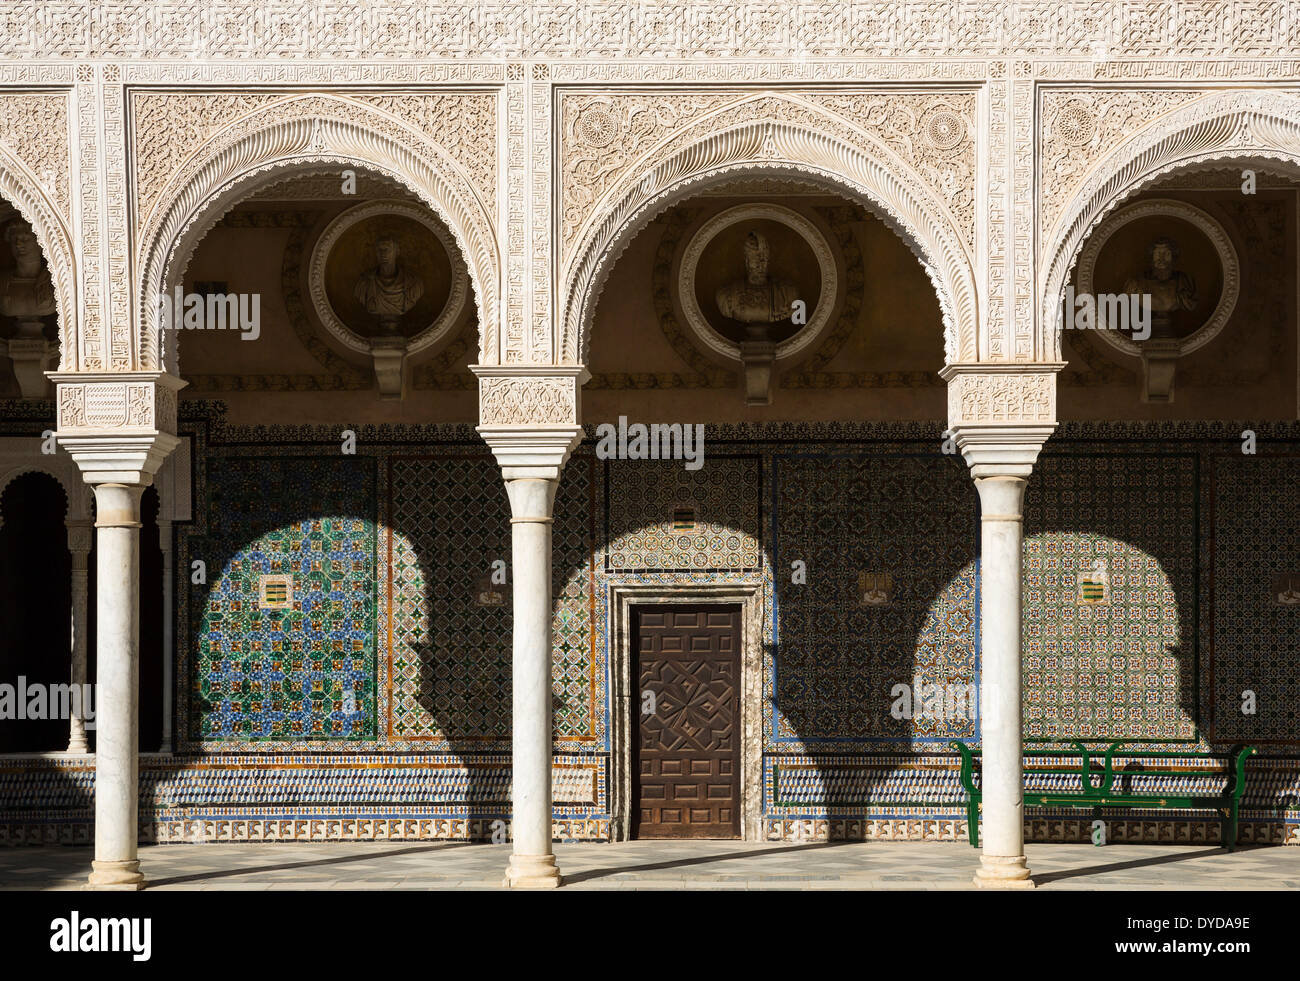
1199 288
715 273
359 295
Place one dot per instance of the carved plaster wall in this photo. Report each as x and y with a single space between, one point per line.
993 135
305 132
626 159
35 174
1257 129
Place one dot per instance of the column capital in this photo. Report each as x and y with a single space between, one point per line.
118 427
531 452
1001 414
81 534
530 415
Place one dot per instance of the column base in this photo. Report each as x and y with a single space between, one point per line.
1003 872
115 877
532 872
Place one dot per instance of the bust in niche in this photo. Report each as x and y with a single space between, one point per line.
388 290
26 292
758 299
1171 290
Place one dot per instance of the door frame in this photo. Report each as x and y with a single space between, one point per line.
625 701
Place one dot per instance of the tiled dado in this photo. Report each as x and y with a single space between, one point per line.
1131 830
308 798
327 827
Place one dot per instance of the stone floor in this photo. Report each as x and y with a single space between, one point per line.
661 865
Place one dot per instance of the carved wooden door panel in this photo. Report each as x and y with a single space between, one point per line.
687 768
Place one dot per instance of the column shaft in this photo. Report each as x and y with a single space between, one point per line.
117 585
1002 862
79 550
169 639
532 863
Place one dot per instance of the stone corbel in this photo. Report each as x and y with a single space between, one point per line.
1159 364
118 427
1001 414
389 357
530 415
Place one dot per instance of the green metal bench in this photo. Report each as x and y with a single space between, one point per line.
1101 793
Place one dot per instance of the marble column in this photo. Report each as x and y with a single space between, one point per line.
117 586
118 428
169 636
529 418
1002 862
1000 415
79 540
531 862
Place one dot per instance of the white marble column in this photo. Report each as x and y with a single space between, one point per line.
169 637
1002 862
117 588
79 541
529 418
999 416
118 428
531 861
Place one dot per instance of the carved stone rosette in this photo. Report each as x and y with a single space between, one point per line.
117 427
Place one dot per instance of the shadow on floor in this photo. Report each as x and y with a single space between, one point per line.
1137 863
699 860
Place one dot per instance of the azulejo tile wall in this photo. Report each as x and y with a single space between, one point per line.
448 622
387 552
284 636
887 541
1254 612
1110 575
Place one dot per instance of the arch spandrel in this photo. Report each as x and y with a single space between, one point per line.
1260 129
774 137
21 188
308 134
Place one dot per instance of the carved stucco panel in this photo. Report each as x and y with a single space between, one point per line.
34 128
462 125
35 168
1260 126
308 132
526 401
605 135
1001 398
1079 127
696 29
766 134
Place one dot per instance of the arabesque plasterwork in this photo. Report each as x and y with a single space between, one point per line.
771 134
992 137
300 133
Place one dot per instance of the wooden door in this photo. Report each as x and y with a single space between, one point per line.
687 770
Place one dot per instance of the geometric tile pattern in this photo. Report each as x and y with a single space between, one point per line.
305 672
1109 622
1254 637
911 518
1117 658
722 500
450 656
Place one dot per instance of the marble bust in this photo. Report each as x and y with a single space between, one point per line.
758 298
388 290
1170 289
26 292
